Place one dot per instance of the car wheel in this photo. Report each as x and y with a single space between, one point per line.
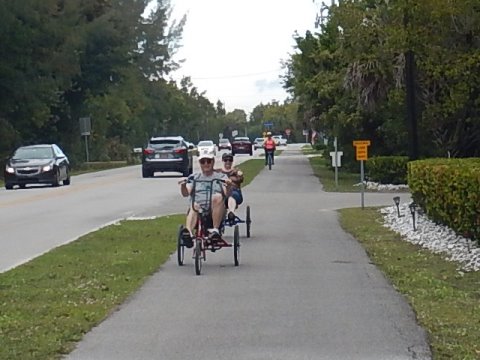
186 172
56 178
22 186
145 173
9 186
67 180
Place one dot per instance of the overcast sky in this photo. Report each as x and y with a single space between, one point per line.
233 49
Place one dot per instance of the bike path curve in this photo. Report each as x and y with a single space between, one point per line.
304 289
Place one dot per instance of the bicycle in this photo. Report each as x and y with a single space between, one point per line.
203 242
269 158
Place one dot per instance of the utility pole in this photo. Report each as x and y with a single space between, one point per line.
410 93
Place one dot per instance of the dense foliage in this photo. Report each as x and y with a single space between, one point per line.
104 59
349 79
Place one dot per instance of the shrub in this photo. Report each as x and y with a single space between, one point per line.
387 169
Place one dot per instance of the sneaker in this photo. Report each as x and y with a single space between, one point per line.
231 217
187 238
214 234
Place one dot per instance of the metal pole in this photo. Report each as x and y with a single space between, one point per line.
362 177
86 147
336 164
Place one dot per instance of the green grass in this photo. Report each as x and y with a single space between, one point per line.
346 180
49 303
446 302
250 169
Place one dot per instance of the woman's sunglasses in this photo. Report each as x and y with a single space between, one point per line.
206 161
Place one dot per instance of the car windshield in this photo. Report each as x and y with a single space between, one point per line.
242 139
205 143
33 153
165 144
259 140
224 140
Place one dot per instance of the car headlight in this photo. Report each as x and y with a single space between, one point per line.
47 168
10 170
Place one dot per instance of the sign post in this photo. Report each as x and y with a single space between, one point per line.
85 128
361 154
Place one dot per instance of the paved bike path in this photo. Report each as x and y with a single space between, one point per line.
304 290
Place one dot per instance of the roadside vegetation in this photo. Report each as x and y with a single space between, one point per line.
50 302
446 301
347 181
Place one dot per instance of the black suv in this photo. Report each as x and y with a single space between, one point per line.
169 153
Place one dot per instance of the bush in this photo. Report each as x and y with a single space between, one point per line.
448 190
387 169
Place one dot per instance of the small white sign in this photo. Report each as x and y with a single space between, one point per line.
234 133
336 162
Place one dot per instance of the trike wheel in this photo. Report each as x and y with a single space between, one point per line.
198 257
180 247
248 221
236 246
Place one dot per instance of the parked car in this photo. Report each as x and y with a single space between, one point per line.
280 140
168 153
258 143
37 164
224 144
242 145
206 146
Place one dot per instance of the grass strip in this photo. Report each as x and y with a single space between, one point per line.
49 303
250 169
446 301
346 180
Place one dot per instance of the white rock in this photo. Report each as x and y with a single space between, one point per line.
437 238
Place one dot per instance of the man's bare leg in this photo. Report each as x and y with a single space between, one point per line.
218 210
191 220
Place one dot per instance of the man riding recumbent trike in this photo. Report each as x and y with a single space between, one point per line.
206 220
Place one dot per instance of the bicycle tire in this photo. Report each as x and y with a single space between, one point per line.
236 246
180 247
198 257
248 221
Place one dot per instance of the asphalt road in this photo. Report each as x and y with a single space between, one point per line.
304 289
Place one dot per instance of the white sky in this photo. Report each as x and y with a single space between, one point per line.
233 49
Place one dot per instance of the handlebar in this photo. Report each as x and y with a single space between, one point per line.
208 191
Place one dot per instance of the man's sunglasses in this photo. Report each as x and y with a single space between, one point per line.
227 160
206 161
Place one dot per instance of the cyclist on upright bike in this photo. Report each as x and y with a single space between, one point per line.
269 145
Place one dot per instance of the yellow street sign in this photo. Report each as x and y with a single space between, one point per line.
361 142
361 152
361 149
